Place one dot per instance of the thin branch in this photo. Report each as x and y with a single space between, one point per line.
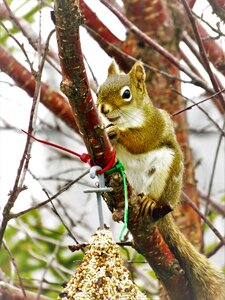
222 132
92 21
172 59
16 268
64 224
197 103
21 47
203 53
218 31
55 264
54 101
8 291
65 188
31 36
214 52
195 208
48 265
219 208
214 166
122 56
24 163
191 3
215 250
190 64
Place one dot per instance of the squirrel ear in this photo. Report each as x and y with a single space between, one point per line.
138 72
113 68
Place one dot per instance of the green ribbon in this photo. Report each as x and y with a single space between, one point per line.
119 167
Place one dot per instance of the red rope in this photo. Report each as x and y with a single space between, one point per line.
110 164
84 157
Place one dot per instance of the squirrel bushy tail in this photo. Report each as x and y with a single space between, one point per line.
206 282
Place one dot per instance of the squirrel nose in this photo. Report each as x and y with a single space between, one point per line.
104 109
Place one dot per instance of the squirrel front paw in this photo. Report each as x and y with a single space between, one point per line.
113 132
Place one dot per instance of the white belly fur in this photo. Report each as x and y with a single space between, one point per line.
137 169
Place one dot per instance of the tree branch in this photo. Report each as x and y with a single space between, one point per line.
9 292
166 54
203 53
54 101
75 84
218 7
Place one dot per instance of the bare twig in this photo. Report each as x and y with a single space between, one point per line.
214 167
172 59
215 250
55 264
205 113
24 163
54 101
64 224
195 208
197 103
190 64
218 8
66 187
203 53
118 54
31 36
8 291
21 47
16 268
48 265
218 31
217 207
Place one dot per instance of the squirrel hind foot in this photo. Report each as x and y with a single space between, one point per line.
147 206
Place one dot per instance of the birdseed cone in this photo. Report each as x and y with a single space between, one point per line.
102 275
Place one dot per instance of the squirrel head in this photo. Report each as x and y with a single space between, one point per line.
122 96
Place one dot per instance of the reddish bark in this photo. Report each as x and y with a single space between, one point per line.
218 7
214 52
75 83
191 3
105 38
204 59
95 24
55 102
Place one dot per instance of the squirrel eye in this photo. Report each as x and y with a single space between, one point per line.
125 93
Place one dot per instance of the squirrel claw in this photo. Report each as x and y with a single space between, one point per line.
147 206
113 132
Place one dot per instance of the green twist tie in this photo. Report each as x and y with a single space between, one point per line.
119 167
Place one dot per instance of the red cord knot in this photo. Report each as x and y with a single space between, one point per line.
84 157
110 164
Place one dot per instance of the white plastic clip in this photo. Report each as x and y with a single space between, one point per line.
99 190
